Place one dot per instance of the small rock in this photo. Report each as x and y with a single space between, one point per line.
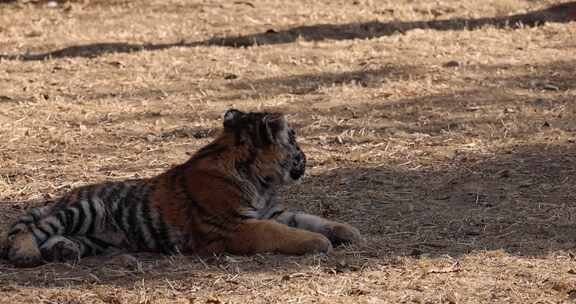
52 4
550 87
33 34
151 138
117 64
416 253
245 3
504 173
452 64
230 76
572 294
357 292
472 108
546 125
540 102
5 99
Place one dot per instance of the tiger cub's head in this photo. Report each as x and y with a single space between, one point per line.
268 145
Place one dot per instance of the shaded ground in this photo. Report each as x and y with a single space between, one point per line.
446 136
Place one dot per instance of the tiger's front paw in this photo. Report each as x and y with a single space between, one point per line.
317 244
340 234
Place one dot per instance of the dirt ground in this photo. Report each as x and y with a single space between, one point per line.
444 130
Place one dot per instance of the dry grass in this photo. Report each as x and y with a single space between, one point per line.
451 149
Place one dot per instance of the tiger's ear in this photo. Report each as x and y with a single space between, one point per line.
275 125
232 117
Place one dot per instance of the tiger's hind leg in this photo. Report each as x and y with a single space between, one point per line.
23 250
23 238
42 235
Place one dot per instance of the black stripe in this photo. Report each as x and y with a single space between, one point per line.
53 227
96 246
62 218
88 250
167 246
75 228
134 221
82 216
69 223
100 243
93 212
39 241
47 233
161 243
292 222
260 136
122 205
119 212
146 219
35 217
36 239
276 213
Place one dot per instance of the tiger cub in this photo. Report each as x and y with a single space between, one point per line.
223 199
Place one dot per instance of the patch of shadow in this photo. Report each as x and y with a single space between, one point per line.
561 13
466 111
97 49
517 199
309 83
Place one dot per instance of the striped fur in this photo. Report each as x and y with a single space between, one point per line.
222 199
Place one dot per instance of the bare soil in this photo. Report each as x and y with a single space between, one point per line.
445 131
